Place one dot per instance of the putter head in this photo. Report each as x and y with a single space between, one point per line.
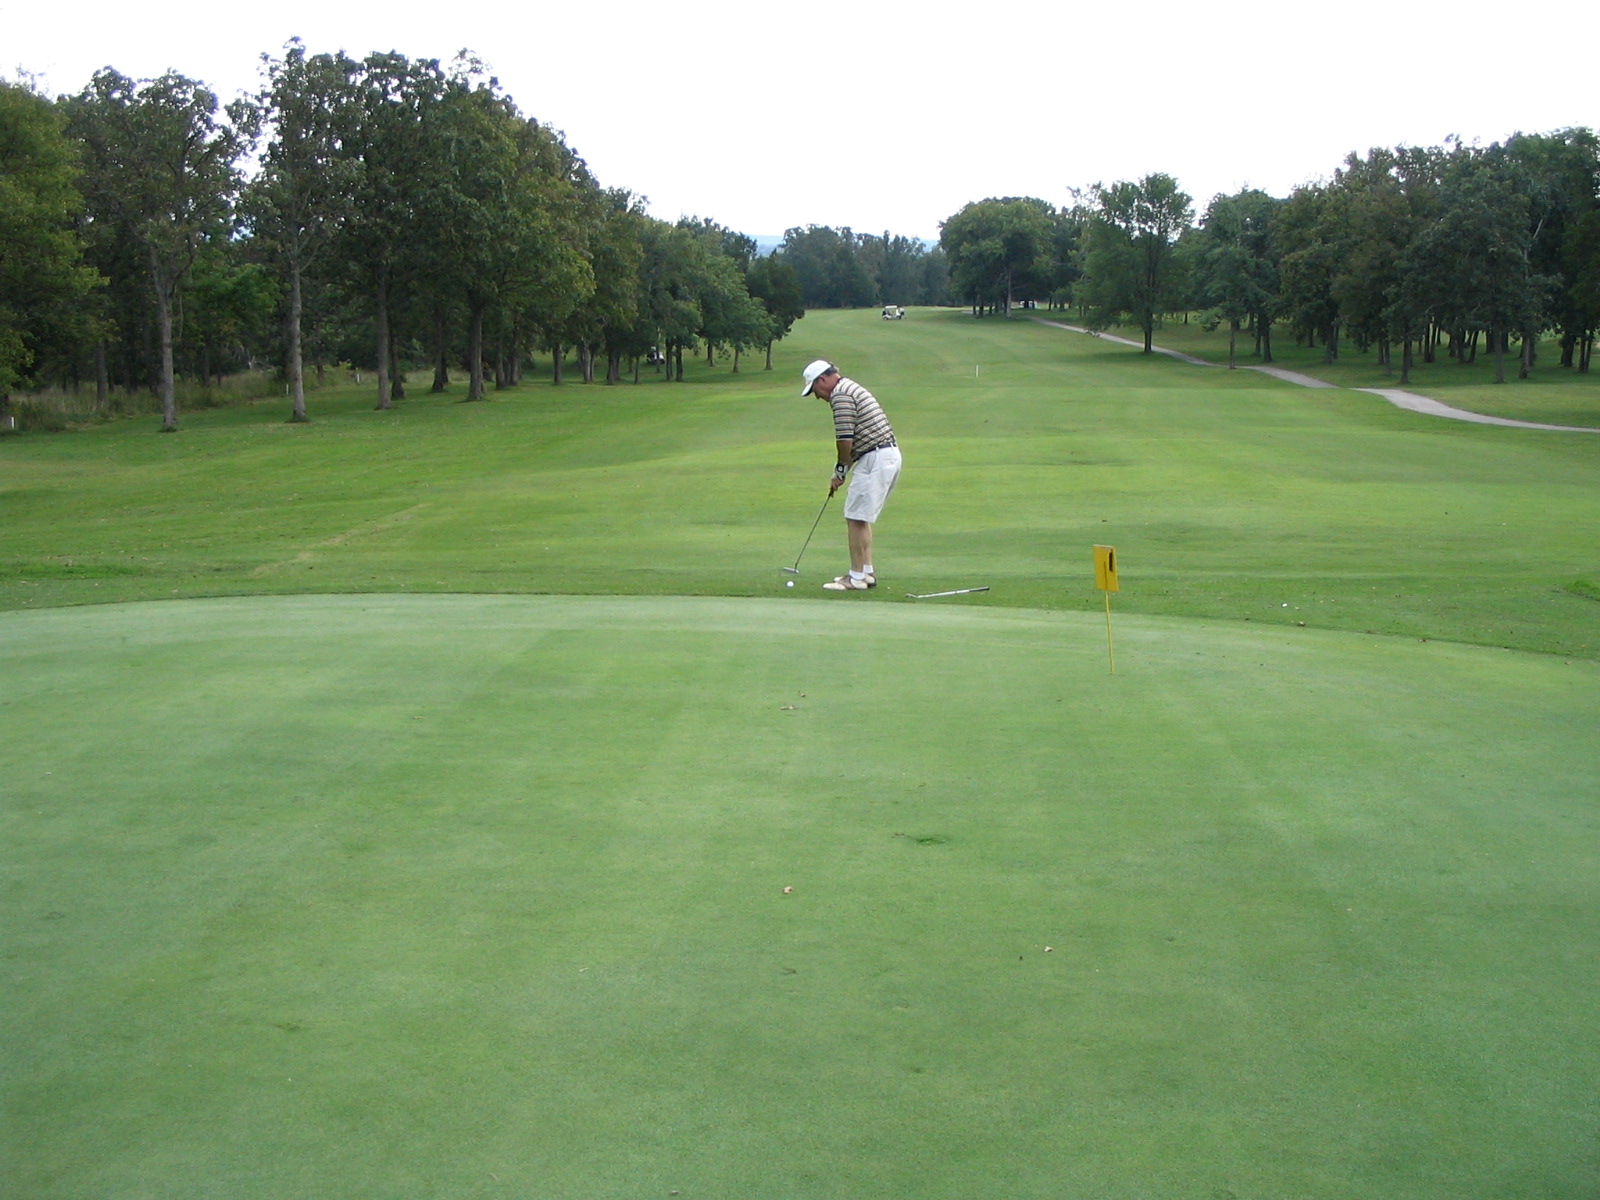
791 570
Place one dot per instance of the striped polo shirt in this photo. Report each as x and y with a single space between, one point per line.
858 418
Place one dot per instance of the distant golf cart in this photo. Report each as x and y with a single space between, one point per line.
893 312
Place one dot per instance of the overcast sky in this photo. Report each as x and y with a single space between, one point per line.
887 116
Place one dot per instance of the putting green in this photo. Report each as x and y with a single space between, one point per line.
397 896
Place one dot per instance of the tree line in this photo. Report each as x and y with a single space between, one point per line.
838 268
398 211
1410 252
388 212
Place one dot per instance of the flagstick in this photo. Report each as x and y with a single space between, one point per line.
1110 649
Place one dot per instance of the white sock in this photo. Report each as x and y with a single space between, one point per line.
858 576
867 570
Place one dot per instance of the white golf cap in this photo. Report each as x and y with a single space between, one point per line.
814 372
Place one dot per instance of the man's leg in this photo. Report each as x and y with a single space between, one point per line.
860 533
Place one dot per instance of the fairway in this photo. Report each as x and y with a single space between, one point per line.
454 802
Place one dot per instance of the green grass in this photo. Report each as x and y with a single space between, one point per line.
1227 495
315 884
1552 394
389 896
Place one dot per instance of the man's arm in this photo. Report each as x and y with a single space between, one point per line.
846 450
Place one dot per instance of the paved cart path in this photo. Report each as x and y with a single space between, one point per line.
1400 399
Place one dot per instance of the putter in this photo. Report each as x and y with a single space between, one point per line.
935 595
795 570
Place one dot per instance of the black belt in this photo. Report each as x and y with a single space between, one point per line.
883 445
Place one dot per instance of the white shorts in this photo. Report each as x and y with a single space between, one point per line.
871 480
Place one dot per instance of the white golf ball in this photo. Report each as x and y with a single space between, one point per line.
788 583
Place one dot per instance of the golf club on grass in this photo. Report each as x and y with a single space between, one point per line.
795 570
935 595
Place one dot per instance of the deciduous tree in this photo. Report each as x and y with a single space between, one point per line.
160 164
1000 251
1236 265
1130 265
44 283
303 191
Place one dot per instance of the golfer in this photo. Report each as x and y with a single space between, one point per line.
865 444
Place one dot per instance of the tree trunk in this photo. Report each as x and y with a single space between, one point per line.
1499 355
397 377
1266 341
1405 363
169 397
475 355
558 355
1233 341
736 358
102 382
441 354
769 356
678 358
1529 350
296 364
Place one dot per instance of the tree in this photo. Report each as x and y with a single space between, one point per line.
730 316
616 250
829 266
1559 173
1236 267
1129 262
1067 244
670 277
1581 262
160 166
230 309
44 284
302 193
1308 262
389 132
773 282
1000 251
1472 262
504 205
